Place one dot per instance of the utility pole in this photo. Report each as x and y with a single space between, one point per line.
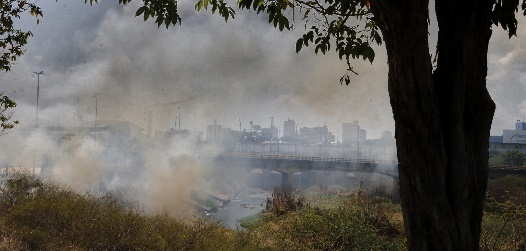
96 114
278 140
358 141
297 139
38 93
239 125
179 118
271 133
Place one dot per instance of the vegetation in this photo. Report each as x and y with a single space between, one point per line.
42 215
357 222
38 215
12 42
5 114
510 157
283 201
504 221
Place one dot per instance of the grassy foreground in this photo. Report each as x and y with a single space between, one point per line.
42 215
37 215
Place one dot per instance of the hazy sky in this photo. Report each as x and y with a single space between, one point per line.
244 69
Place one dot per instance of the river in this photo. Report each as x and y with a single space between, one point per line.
240 207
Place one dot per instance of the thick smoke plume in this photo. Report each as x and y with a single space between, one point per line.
158 177
103 64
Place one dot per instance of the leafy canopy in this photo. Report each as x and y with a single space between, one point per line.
5 115
13 40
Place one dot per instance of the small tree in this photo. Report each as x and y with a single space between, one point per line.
514 158
5 114
12 42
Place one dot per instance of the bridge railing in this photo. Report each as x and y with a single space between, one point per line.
507 167
310 158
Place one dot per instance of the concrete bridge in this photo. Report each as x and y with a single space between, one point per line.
290 164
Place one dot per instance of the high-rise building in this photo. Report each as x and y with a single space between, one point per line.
520 125
316 135
289 130
362 135
351 133
213 132
387 134
387 139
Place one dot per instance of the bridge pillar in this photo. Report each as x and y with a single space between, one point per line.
285 180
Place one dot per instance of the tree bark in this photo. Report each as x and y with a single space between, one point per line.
442 118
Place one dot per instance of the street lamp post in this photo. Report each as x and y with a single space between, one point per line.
271 133
96 113
38 93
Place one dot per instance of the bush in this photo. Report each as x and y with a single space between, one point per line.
364 222
283 201
511 187
504 221
510 157
41 215
18 189
503 226
45 216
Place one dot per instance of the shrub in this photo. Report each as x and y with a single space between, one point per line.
511 187
504 221
46 216
503 226
283 201
361 223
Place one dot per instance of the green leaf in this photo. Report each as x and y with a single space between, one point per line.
140 11
306 14
281 23
299 44
199 5
146 15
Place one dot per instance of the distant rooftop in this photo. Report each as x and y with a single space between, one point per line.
495 139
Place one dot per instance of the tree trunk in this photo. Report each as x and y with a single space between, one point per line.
442 118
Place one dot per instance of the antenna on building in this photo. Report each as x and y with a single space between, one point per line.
78 105
179 117
149 126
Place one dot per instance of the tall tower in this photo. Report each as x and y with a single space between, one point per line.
289 130
350 133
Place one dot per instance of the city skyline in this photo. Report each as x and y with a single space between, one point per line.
255 74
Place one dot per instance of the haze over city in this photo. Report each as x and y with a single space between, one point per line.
244 69
127 134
